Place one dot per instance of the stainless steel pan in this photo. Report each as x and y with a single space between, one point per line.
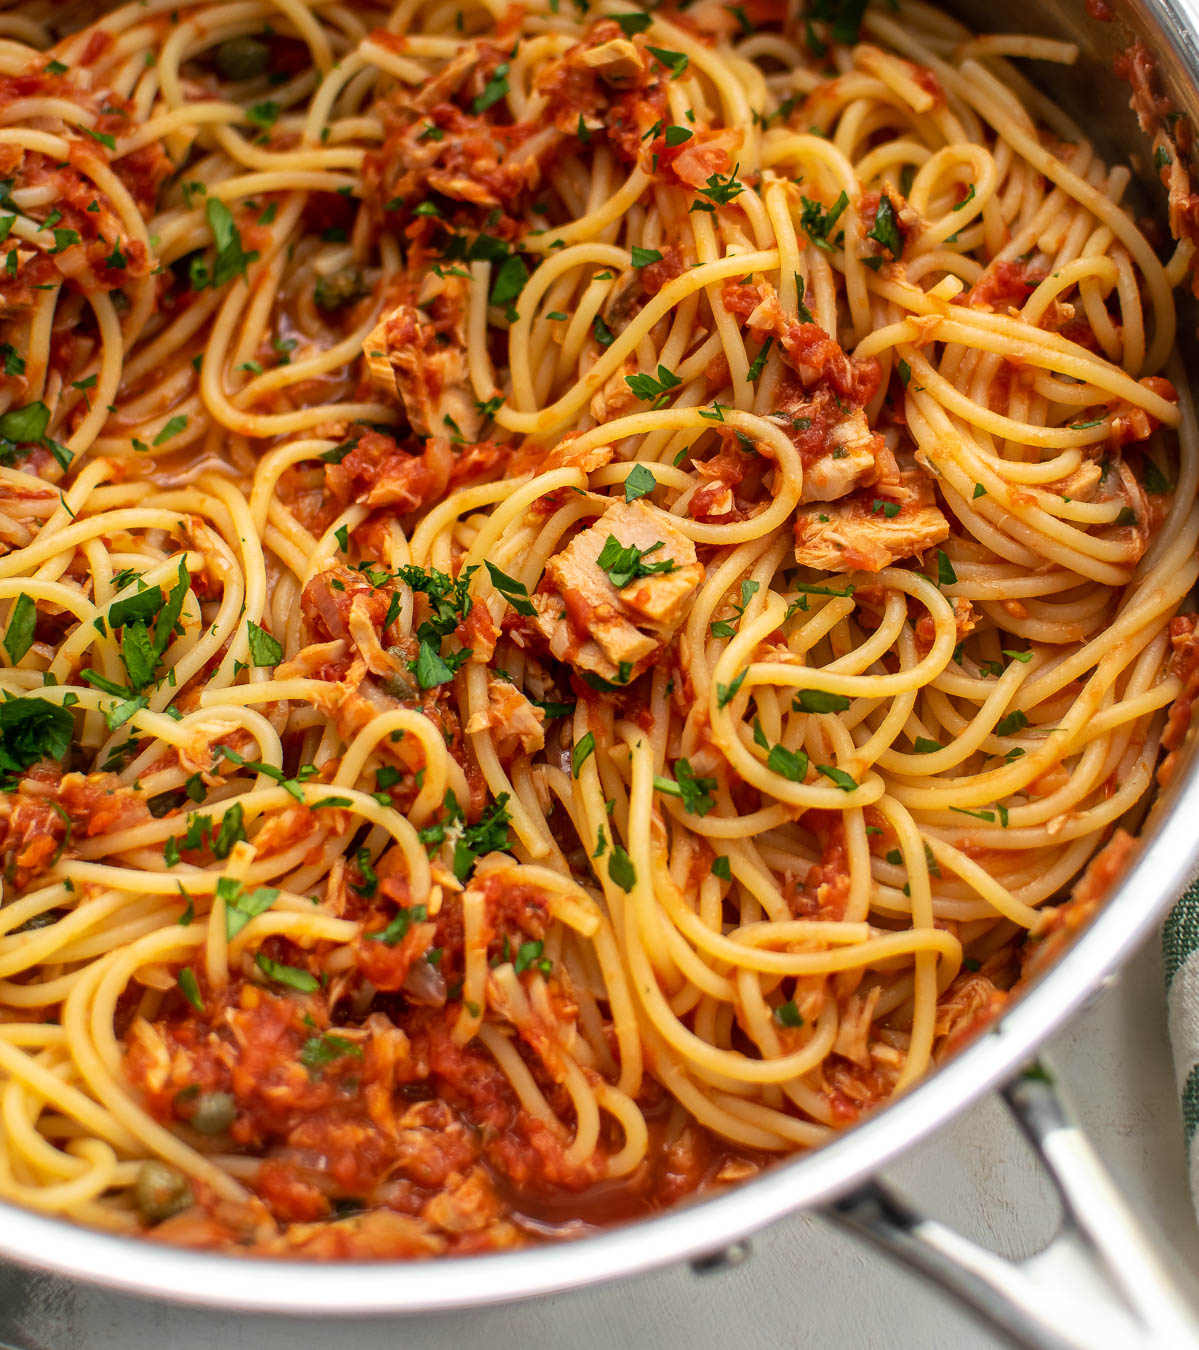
1098 1284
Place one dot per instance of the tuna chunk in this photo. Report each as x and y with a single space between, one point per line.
857 533
848 463
422 361
838 450
617 62
1081 484
615 632
512 719
565 455
445 84
616 399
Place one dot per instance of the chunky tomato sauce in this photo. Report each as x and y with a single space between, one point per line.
366 1105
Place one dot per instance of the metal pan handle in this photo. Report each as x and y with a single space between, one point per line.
1098 1285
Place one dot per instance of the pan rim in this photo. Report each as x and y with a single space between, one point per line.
1167 851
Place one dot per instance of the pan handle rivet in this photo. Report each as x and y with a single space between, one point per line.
727 1258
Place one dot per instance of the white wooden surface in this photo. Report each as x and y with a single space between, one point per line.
805 1285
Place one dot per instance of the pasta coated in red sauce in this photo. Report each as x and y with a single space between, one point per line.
576 591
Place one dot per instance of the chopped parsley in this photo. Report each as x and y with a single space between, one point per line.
264 649
21 625
759 361
32 729
318 1051
241 906
946 576
805 314
631 24
432 668
231 831
988 816
1013 722
515 592
639 483
489 835
621 869
189 988
738 13
804 589
819 701
790 764
338 452
725 693
291 976
263 115
496 89
1154 480
723 190
675 62
141 651
509 281
845 17
25 425
398 928
449 599
695 793
107 141
231 259
722 627
170 430
582 751
648 388
625 563
886 228
817 223
529 957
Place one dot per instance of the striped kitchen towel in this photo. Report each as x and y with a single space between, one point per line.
1180 950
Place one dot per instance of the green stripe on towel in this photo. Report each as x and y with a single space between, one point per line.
1190 1104
1180 933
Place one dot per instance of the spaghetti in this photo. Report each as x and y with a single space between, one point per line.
574 580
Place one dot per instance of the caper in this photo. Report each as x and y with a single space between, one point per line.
398 684
161 1191
163 803
339 289
214 1113
44 920
242 58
